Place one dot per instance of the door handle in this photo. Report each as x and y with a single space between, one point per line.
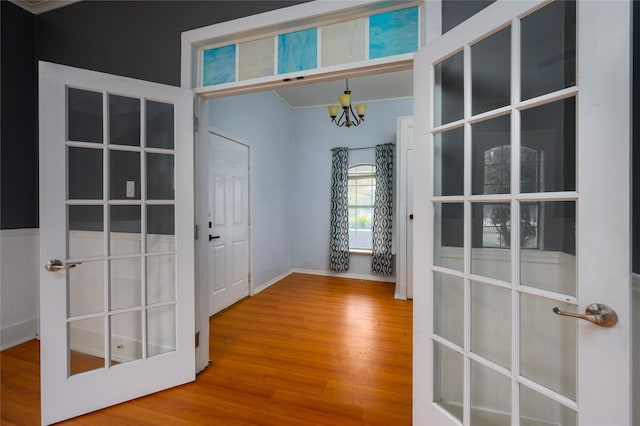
54 265
597 313
211 237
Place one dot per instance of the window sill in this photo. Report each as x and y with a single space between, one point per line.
359 251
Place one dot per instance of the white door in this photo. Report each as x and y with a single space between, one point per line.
523 112
228 222
116 237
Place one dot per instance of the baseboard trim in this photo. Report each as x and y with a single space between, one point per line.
269 283
17 334
345 275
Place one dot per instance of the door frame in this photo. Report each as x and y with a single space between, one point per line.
404 271
430 22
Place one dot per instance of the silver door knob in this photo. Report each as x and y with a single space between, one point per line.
597 313
54 265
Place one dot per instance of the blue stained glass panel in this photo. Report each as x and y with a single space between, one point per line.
298 51
393 33
219 65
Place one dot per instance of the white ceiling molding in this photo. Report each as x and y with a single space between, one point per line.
41 6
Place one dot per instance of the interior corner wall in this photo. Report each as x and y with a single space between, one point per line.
315 135
19 117
263 121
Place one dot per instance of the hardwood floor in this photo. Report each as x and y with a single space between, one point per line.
309 350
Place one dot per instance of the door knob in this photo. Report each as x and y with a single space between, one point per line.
213 237
54 265
597 313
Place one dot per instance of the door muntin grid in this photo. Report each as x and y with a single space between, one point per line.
121 297
491 301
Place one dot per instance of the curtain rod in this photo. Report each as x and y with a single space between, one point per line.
365 147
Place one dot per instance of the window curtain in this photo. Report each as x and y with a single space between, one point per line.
339 244
381 259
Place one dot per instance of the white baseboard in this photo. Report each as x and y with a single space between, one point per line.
269 283
18 333
322 273
345 275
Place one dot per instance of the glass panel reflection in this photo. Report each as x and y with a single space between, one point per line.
449 90
491 322
549 227
160 182
449 236
549 147
161 278
125 236
124 120
491 240
448 374
491 72
86 231
448 307
161 330
160 228
548 43
548 344
491 156
85 290
86 345
159 123
126 283
489 408
126 337
449 163
84 174
124 171
537 409
84 116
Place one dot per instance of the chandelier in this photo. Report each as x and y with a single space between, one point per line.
348 118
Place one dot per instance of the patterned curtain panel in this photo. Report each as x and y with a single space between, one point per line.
339 244
381 259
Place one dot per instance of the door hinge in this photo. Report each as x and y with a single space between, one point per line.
196 232
195 123
197 339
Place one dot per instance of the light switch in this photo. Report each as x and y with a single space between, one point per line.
131 188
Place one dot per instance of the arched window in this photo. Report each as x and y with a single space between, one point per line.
497 180
362 189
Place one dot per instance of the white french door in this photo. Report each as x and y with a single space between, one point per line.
228 226
522 205
116 239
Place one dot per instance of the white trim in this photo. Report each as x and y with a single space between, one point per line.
21 232
345 275
269 283
17 334
41 6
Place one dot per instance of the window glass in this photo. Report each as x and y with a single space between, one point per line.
362 189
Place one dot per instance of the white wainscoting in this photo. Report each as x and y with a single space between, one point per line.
19 286
635 306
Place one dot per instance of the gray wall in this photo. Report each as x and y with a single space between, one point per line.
19 118
314 137
263 121
139 39
291 174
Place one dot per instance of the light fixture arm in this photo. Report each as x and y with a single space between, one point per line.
348 118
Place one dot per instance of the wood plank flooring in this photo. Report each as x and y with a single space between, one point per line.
309 350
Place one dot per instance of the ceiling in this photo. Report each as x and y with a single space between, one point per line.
393 85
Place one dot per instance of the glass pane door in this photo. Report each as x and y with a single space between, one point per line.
505 202
120 229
